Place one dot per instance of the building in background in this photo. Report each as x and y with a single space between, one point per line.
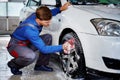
3 0
9 15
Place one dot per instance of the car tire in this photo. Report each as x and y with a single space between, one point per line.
74 63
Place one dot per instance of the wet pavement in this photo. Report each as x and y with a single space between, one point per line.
28 72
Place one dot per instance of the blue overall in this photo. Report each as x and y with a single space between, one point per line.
26 39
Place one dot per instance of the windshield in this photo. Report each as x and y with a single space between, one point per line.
110 1
87 2
83 2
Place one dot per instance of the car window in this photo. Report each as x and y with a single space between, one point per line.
110 1
34 2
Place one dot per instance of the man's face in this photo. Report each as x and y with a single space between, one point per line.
45 23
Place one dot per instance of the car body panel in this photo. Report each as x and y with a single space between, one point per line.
95 47
103 11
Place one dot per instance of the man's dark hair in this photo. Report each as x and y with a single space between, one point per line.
43 13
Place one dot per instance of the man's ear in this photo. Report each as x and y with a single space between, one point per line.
38 21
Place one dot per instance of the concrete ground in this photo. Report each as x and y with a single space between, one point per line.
28 72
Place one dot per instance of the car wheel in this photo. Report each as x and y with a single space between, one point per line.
74 63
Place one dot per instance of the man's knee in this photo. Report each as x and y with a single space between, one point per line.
30 57
47 39
49 36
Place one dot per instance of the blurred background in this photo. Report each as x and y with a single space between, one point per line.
9 15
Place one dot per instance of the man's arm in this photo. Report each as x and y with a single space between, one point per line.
55 11
33 36
58 10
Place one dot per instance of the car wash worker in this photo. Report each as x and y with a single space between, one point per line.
26 39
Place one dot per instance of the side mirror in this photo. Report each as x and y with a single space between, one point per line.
24 2
37 1
48 2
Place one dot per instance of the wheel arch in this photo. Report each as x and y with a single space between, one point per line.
67 30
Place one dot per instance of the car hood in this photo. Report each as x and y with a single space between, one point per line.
104 11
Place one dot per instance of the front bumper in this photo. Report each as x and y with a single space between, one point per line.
97 48
111 63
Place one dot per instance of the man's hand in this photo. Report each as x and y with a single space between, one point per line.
65 6
68 46
65 47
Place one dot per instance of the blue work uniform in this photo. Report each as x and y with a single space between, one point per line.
29 30
32 34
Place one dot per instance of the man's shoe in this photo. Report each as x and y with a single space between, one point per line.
14 70
43 68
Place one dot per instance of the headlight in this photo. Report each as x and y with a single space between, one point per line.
107 27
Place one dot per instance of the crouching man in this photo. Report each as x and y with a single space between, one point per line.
26 39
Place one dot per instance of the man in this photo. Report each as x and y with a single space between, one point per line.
25 40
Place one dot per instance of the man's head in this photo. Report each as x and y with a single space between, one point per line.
43 15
